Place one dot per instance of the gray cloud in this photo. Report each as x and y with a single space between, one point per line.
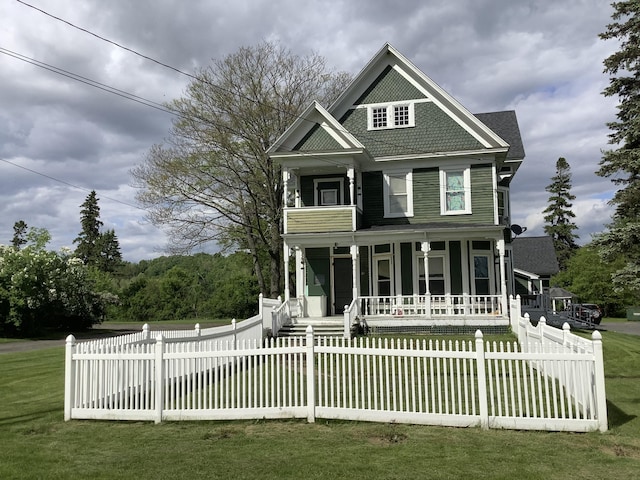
541 58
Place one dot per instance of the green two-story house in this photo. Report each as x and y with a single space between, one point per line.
397 203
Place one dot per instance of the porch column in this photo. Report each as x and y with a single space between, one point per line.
503 280
287 252
426 248
352 186
355 269
285 184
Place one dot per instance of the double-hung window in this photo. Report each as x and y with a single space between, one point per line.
455 191
398 194
398 115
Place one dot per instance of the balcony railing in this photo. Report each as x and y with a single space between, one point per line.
432 306
338 218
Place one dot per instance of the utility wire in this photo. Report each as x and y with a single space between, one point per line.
69 184
194 77
87 81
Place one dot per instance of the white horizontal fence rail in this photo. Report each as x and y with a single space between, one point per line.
437 383
433 306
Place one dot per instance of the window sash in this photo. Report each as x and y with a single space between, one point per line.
455 187
398 193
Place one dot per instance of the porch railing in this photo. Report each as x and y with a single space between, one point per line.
432 305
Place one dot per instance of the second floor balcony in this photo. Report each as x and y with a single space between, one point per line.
335 218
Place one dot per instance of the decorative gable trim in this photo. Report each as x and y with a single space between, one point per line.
388 56
314 116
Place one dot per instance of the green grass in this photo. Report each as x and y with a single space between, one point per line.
35 442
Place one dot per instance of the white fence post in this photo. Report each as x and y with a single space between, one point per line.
69 377
145 332
234 327
311 384
601 398
482 381
198 331
159 377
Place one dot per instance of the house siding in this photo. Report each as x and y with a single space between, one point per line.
434 131
426 199
318 139
307 193
326 220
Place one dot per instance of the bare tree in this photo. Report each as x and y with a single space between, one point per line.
212 180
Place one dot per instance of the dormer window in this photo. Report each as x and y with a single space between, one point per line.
393 115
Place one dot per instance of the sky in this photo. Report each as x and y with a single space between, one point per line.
61 138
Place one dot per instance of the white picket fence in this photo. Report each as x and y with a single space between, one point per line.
472 383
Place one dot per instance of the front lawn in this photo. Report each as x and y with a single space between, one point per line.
35 442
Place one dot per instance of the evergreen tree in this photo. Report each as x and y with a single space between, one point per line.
19 234
622 164
88 240
559 214
109 250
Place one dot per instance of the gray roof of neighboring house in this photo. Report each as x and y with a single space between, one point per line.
505 124
535 255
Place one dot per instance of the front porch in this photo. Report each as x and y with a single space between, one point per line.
416 313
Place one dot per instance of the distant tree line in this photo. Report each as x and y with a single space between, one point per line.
70 290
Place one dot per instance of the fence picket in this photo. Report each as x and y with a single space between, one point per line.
551 381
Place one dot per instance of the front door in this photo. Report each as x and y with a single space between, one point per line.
342 283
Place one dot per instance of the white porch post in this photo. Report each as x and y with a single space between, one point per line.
285 184
352 186
287 252
426 248
355 269
503 280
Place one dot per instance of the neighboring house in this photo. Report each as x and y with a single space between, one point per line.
534 263
397 202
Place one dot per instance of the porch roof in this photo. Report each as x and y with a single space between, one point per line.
409 232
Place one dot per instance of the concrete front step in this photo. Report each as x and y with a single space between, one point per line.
322 330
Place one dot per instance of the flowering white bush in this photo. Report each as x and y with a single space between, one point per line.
42 290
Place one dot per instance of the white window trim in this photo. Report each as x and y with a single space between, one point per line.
409 188
390 115
507 213
466 169
316 187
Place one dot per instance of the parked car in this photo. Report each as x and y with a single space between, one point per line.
586 312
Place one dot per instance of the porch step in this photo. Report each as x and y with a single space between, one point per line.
319 330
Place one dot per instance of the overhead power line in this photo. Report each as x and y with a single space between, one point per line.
195 77
64 182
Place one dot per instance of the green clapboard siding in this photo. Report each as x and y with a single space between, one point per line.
426 199
307 221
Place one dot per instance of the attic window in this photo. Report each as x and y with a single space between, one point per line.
393 115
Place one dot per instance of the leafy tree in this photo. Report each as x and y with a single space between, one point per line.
559 214
622 164
589 277
89 237
212 181
42 290
19 234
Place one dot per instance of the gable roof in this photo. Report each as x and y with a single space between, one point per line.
315 120
388 57
446 127
535 255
